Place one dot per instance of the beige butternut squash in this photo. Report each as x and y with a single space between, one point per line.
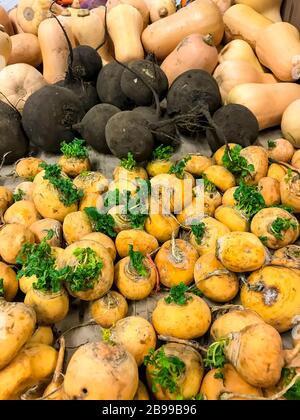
25 49
290 124
106 51
233 73
201 17
268 8
87 28
5 47
54 48
138 4
278 48
193 52
160 9
30 13
243 22
223 5
18 82
14 22
125 26
5 21
239 50
267 101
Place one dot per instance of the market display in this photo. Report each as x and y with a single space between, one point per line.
212 239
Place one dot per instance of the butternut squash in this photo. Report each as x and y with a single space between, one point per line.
138 4
223 5
239 50
5 21
243 22
267 101
5 47
201 17
125 26
54 48
160 9
14 22
106 51
87 28
193 52
278 48
25 49
18 82
290 124
268 8
30 13
233 73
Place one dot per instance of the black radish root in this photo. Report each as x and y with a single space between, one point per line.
92 126
238 125
86 63
85 91
109 87
134 88
48 117
128 132
163 133
193 92
13 142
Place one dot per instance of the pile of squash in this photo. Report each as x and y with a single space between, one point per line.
212 230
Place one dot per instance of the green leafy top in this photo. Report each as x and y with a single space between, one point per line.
167 370
249 199
219 374
84 274
104 223
106 336
294 392
271 144
1 288
38 260
215 357
198 397
116 198
208 185
235 163
179 167
162 152
198 231
68 193
289 176
137 262
75 149
18 196
179 294
281 225
128 163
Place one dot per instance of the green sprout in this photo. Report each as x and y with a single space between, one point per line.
75 149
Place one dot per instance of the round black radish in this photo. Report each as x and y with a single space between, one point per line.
86 63
128 132
163 132
92 126
134 88
48 117
192 90
13 142
237 123
85 91
109 87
